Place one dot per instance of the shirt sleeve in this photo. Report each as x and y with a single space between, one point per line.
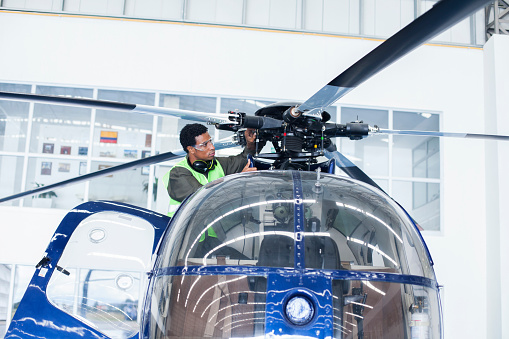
235 163
182 183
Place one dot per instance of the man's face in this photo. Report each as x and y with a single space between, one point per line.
204 148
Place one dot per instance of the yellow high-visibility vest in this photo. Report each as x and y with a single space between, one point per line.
213 174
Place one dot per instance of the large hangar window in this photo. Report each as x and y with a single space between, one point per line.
371 18
49 143
406 167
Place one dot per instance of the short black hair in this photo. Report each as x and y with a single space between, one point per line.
189 133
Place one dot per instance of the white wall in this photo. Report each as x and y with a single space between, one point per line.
26 232
253 63
497 218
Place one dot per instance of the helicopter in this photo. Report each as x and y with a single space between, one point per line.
352 289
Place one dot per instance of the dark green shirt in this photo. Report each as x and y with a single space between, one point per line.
182 183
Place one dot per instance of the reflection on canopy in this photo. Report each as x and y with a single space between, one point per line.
241 246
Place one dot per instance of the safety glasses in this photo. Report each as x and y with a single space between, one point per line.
204 145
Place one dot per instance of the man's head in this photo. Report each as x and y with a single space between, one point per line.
196 141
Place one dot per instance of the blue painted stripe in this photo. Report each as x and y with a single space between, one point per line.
107 139
298 222
265 271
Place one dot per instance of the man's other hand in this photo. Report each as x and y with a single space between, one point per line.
250 135
247 168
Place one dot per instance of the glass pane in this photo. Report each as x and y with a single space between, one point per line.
125 186
271 13
161 9
60 129
232 306
433 191
421 121
43 5
383 184
480 36
312 14
162 199
419 169
283 14
229 11
5 283
108 298
369 154
420 194
458 34
434 166
419 153
13 120
258 13
110 7
433 146
340 16
220 11
385 17
45 171
421 201
11 169
22 277
385 310
251 223
120 134
217 306
201 10
168 128
249 106
410 152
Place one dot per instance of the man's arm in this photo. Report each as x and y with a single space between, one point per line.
182 183
238 163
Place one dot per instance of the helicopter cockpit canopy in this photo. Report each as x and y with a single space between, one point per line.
343 224
292 253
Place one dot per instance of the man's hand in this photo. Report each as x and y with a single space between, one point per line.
247 168
250 135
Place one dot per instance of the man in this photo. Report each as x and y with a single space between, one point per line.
200 165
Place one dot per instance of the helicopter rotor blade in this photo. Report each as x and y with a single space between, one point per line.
222 144
349 167
118 106
443 15
442 134
355 172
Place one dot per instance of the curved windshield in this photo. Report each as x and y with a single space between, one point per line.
233 306
86 286
295 220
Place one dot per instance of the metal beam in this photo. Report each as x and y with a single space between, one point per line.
497 18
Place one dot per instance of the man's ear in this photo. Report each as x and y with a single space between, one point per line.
190 149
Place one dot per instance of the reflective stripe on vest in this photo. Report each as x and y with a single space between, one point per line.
214 174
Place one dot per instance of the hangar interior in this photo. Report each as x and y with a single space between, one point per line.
216 56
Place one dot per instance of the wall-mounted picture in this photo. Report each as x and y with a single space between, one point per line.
64 167
148 140
109 137
83 167
101 167
145 154
65 150
83 151
48 148
46 168
130 153
107 154
145 170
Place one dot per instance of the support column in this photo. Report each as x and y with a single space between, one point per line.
496 87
